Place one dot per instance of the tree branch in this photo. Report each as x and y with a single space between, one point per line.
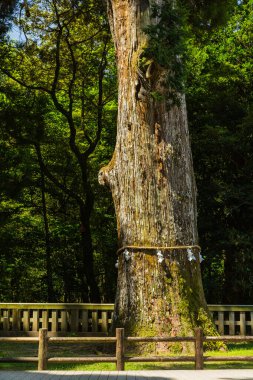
23 84
67 113
100 104
74 70
54 180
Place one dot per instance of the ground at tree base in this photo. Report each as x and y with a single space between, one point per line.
228 374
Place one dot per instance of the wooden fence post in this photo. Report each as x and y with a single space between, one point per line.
42 354
6 324
120 336
15 320
199 352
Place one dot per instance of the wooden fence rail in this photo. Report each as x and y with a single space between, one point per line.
95 319
120 357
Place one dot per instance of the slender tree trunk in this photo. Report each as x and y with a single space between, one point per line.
88 262
49 272
152 182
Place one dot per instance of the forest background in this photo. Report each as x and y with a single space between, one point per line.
58 110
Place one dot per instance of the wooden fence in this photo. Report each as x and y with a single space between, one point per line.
95 319
59 319
233 319
120 357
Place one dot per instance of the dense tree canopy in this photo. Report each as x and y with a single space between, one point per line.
220 111
57 128
75 89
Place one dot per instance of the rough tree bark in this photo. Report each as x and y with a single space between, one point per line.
152 182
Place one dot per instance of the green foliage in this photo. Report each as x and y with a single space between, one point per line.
220 102
205 15
167 44
57 114
157 96
173 25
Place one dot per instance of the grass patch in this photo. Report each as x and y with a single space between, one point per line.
234 349
15 350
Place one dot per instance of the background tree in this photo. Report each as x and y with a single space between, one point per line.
220 108
77 103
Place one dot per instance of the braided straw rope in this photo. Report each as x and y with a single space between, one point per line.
158 248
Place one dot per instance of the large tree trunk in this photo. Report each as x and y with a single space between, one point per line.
152 182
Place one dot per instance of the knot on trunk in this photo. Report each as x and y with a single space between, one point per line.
103 177
105 174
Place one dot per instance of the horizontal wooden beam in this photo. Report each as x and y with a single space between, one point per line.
144 359
82 339
229 338
19 359
228 358
58 306
230 307
160 339
98 306
18 340
82 359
